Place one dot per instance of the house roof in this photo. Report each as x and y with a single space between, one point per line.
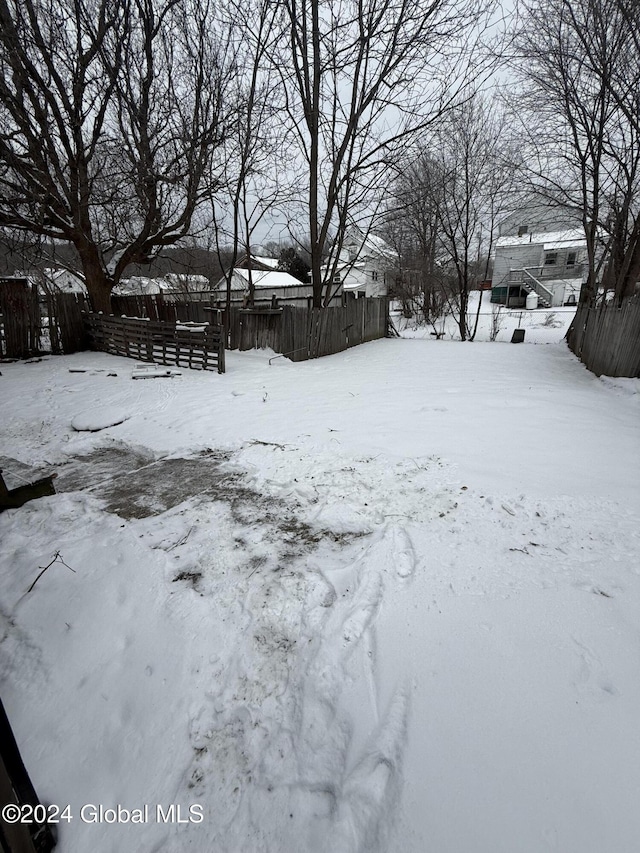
369 245
257 262
263 279
379 245
548 239
140 285
272 263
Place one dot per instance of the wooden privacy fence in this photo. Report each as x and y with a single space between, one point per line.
34 835
302 333
198 346
158 307
606 339
65 322
28 318
21 326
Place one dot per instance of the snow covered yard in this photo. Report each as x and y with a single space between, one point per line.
382 601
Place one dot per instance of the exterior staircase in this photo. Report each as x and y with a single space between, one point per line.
532 285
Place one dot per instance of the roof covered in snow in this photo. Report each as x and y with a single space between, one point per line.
261 279
369 245
548 239
267 262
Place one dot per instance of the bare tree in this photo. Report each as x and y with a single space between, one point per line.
580 114
255 164
362 79
412 226
452 195
477 167
110 112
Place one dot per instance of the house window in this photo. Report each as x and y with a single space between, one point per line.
374 275
336 278
571 259
550 259
522 230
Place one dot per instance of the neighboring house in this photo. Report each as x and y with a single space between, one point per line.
169 285
187 282
65 281
367 264
536 217
365 269
550 263
140 285
55 280
257 263
267 284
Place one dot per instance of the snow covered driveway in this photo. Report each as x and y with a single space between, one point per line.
383 601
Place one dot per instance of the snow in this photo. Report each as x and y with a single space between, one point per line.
144 372
381 601
263 279
551 239
267 262
377 244
99 418
541 325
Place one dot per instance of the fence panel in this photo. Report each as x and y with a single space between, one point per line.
260 328
200 347
21 323
354 321
65 319
297 332
606 339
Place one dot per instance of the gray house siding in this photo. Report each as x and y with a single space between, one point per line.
515 258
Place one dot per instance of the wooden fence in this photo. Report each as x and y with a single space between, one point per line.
199 346
159 307
21 326
65 322
606 339
34 836
302 333
297 332
27 318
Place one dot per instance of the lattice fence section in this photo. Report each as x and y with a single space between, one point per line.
199 346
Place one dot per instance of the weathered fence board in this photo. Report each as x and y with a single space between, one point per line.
21 326
310 333
200 346
16 787
259 328
67 332
606 339
158 307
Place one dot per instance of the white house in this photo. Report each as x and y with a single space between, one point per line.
56 280
169 284
541 249
366 264
267 283
537 217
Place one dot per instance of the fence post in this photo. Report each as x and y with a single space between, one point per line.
16 787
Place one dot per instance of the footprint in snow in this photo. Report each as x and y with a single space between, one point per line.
403 553
364 609
593 677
